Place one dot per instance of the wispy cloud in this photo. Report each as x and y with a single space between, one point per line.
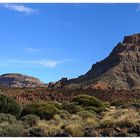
42 62
138 8
31 50
20 8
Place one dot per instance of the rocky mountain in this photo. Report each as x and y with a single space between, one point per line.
19 80
120 70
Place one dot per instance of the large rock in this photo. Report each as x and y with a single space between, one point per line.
19 80
120 70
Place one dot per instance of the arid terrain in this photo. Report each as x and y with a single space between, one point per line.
103 102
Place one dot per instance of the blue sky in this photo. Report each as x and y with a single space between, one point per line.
51 41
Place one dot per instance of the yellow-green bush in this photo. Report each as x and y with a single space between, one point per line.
86 114
89 103
7 118
9 106
12 130
43 110
72 108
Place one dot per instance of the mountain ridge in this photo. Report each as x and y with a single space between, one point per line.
119 70
19 80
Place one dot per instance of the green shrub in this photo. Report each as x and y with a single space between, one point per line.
95 109
43 110
107 104
12 130
56 104
72 108
7 118
9 106
89 103
30 120
86 114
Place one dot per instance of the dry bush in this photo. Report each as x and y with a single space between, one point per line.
75 129
120 117
12 130
50 128
91 123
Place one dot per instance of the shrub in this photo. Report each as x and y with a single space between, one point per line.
49 128
7 118
30 120
72 108
75 130
107 104
75 117
86 114
12 130
91 123
89 103
56 104
107 123
95 109
43 110
9 106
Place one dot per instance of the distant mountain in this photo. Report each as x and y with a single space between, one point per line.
120 70
19 80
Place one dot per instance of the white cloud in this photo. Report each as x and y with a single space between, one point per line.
50 63
20 8
43 62
31 50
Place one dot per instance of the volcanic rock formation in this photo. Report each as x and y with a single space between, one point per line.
19 80
120 70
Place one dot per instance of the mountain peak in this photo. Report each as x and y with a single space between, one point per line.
132 39
120 70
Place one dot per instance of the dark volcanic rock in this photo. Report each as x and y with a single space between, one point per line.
19 80
120 70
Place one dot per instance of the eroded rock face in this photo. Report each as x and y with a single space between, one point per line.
19 80
120 70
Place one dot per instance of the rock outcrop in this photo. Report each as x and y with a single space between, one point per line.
19 80
120 70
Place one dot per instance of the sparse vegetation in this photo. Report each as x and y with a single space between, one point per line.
9 106
84 115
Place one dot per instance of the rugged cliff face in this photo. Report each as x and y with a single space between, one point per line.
19 80
120 70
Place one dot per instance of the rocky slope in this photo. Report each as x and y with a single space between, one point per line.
19 80
120 70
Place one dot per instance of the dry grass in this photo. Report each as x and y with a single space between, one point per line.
120 117
75 129
91 123
50 128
